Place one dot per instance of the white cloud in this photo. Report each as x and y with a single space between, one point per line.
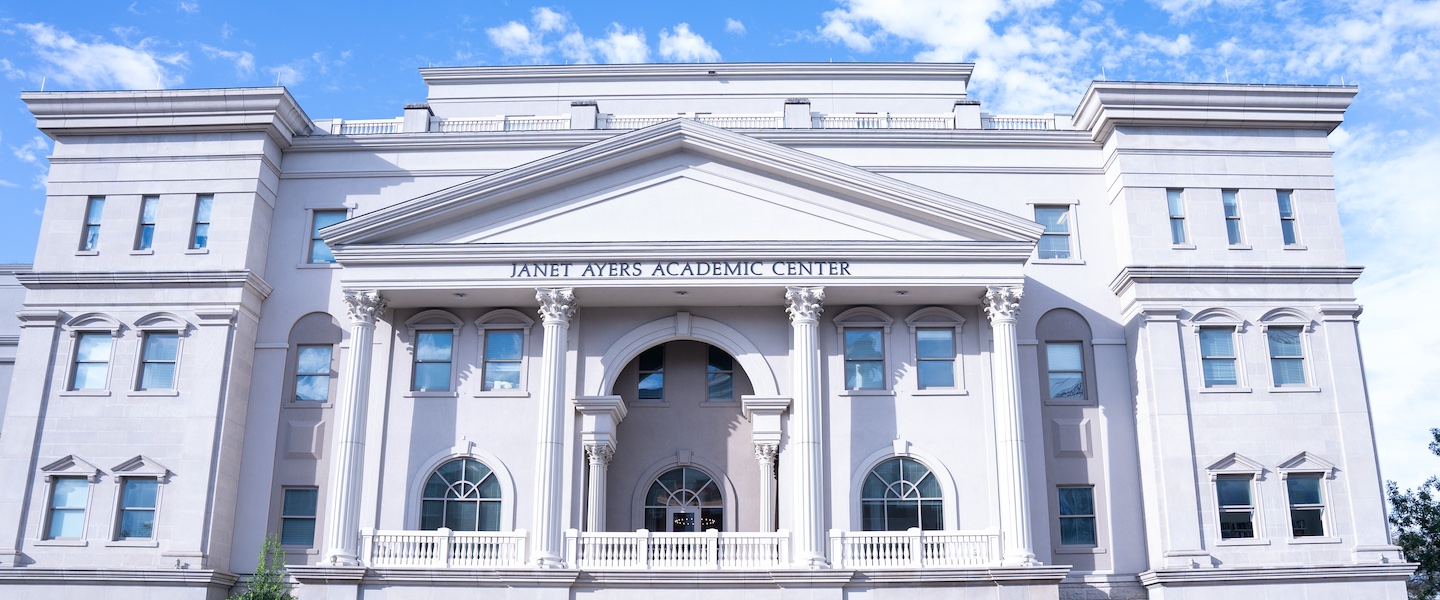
33 151
551 32
1180 46
1182 9
516 40
8 184
548 20
287 75
189 8
734 26
100 64
244 61
10 71
623 46
686 46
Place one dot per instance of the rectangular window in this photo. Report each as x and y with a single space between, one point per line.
145 233
935 358
1287 359
652 374
312 373
67 508
502 358
1237 511
1306 505
297 516
719 376
201 237
864 358
157 371
137 508
1287 217
1065 362
1077 516
1176 201
319 252
1230 198
92 360
433 350
90 237
1055 242
1217 356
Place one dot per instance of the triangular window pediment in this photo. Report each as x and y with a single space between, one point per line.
142 466
1236 464
1305 462
71 466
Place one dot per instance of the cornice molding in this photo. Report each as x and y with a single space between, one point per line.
672 71
271 110
1110 104
1254 575
43 280
924 251
1131 275
146 577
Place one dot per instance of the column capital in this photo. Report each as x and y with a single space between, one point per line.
599 454
765 453
363 306
804 303
557 305
1002 302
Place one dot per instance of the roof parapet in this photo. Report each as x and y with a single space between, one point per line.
271 109
1110 104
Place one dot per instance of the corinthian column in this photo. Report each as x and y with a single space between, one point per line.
765 455
599 455
557 305
347 451
1002 305
805 305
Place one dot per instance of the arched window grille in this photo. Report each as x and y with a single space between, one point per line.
462 495
684 499
898 494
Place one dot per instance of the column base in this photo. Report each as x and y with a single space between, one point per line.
1020 560
547 561
342 559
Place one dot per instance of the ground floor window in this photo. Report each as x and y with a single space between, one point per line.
899 494
684 499
461 495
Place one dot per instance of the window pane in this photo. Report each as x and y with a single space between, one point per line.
1064 356
873 488
313 359
67 523
502 376
1288 371
462 515
312 388
1067 385
158 376
503 344
1287 229
90 376
900 516
94 212
1177 231
1287 210
93 347
1054 246
161 346
935 343
1232 204
1176 202
1219 371
712 518
1055 219
1077 531
928 486
1305 522
1304 489
862 344
1217 342
432 514
720 386
92 237
139 493
1077 501
655 519
432 376
864 375
136 524
936 374
1236 525
300 502
1284 341
147 237
202 208
653 359
719 360
433 345
872 515
1233 491
320 253
148 208
326 218
301 532
70 492
652 387
931 515
1232 230
489 517
889 471
202 236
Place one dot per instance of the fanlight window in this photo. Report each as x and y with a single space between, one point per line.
684 499
898 494
462 495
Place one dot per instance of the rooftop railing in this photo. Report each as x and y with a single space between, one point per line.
737 121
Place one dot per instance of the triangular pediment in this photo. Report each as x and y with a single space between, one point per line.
1305 462
1236 464
71 466
682 181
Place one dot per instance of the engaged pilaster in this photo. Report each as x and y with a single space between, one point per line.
804 304
557 306
600 417
342 515
764 415
1002 306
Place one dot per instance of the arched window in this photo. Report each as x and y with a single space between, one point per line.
684 499
462 495
898 494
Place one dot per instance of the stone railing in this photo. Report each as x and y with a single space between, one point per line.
882 121
645 550
367 126
1017 122
913 549
624 122
443 548
499 124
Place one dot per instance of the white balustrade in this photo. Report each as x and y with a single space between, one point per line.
883 121
443 548
633 122
496 124
562 122
644 550
913 549
1017 122
743 121
370 126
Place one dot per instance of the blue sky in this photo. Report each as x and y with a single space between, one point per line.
357 60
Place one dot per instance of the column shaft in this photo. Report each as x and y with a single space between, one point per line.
805 305
1002 305
347 452
595 491
557 305
765 455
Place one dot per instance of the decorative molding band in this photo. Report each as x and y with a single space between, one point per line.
380 254
271 110
43 280
390 173
948 72
140 577
1257 575
986 170
1132 275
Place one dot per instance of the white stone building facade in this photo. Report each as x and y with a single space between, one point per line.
729 330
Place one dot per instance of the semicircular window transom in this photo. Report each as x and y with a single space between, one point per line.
684 499
462 495
899 494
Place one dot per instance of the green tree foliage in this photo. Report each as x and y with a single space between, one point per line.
1415 517
268 583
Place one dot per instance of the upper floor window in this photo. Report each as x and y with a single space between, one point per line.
145 231
1065 364
297 515
1237 510
1230 199
312 372
1176 202
1077 515
862 334
1287 218
719 375
1066 360
92 360
433 366
503 349
1307 506
1055 242
1287 356
69 497
935 357
90 237
319 252
462 495
651 374
200 236
1217 356
159 356
899 494
138 500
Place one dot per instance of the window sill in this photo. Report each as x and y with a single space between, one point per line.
308 404
1294 247
1079 550
146 252
648 404
1241 247
719 404
1069 402
1224 389
940 392
414 394
310 265
1057 261
132 544
153 393
1182 246
197 250
69 543
92 393
1314 540
1244 542
503 394
306 550
87 253
868 393
1295 389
